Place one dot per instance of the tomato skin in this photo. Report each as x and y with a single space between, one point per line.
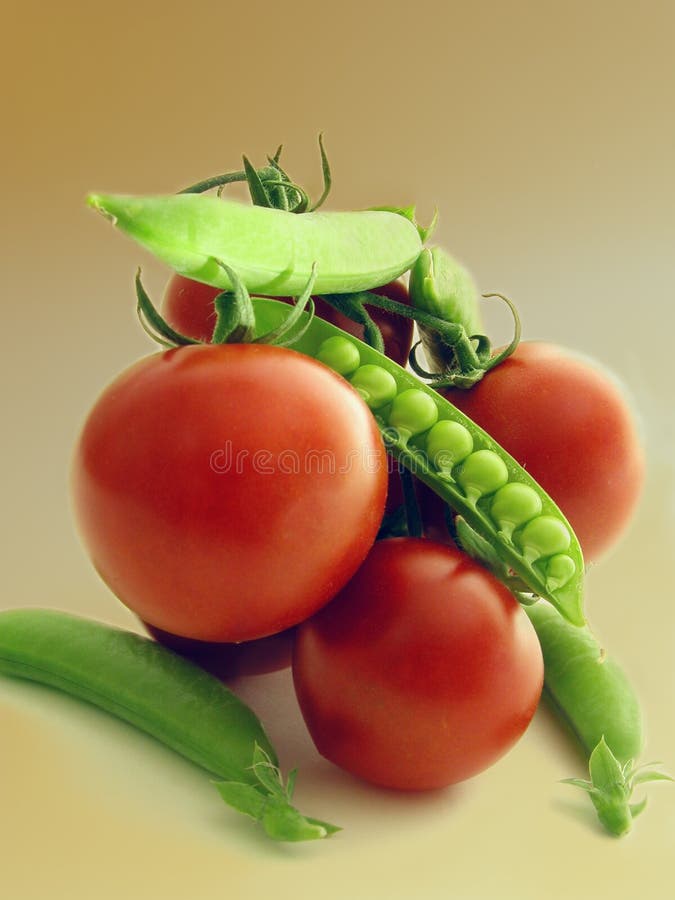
217 550
188 307
567 423
228 661
421 672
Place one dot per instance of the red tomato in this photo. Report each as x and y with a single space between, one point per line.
567 422
226 492
188 307
421 672
229 661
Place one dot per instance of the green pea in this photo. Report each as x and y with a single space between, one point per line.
339 354
448 443
375 384
482 473
513 505
542 537
164 695
560 569
413 412
272 251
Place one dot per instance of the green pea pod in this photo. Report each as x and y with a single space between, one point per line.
593 694
273 251
441 286
468 482
163 694
588 687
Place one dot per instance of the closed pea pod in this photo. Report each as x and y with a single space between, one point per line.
161 693
272 250
594 695
441 286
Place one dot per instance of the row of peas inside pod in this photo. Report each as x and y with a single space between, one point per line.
449 447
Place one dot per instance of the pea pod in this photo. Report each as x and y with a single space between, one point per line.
273 251
592 693
164 695
441 286
413 413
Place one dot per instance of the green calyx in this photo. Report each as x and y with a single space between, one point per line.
270 185
611 785
235 317
269 802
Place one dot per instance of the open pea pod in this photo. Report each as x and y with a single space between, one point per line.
458 460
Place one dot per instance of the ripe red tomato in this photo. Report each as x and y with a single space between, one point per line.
188 307
226 492
568 423
421 672
228 661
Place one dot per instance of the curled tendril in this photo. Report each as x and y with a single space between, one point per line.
507 351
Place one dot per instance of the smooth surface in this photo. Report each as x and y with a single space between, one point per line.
544 134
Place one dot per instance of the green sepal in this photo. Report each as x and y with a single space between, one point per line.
152 322
351 305
243 797
269 802
302 304
256 187
235 321
611 786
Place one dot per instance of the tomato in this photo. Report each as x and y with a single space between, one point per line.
226 492
188 307
421 672
226 660
568 423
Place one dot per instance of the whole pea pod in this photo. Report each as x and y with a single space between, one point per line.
458 460
440 285
163 694
592 693
273 251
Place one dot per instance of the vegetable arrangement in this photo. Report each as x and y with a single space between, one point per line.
277 477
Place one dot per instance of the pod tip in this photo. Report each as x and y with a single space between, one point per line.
98 202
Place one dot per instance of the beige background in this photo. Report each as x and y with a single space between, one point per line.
545 134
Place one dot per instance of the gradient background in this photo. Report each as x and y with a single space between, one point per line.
545 134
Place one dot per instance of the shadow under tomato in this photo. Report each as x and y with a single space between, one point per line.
228 661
